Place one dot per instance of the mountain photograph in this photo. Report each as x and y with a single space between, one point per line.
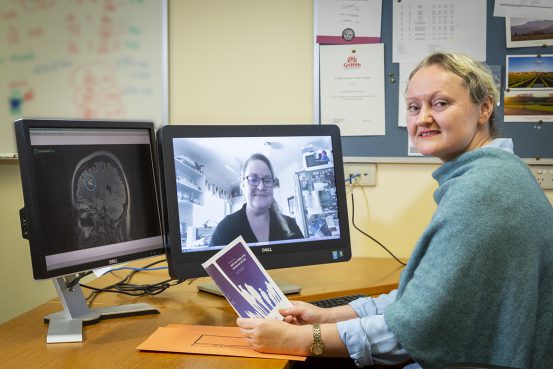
529 29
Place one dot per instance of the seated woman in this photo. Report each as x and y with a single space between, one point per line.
477 287
259 219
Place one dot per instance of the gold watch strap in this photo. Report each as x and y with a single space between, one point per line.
317 348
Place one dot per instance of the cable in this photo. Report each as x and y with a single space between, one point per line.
352 177
363 232
137 269
76 280
135 289
126 288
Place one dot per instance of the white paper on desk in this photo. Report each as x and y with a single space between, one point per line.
421 27
245 283
535 9
362 16
352 88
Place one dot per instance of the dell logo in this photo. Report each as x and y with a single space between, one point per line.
266 249
112 261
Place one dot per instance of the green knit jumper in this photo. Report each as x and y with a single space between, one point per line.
479 284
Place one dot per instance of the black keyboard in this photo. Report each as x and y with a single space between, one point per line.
336 301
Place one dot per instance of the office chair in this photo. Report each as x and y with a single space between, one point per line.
474 366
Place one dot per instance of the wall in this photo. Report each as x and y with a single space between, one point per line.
247 62
20 292
241 62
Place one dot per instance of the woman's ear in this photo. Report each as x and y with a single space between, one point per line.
486 110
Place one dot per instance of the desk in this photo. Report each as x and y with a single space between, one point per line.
112 343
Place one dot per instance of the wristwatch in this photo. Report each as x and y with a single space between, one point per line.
317 348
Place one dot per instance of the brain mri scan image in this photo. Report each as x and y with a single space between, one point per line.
101 201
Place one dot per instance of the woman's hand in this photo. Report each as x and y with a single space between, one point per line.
279 337
305 313
275 336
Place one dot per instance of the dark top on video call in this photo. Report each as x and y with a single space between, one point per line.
236 224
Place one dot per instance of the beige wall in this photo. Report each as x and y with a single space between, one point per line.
242 62
19 291
247 61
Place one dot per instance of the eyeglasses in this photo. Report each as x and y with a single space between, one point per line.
254 181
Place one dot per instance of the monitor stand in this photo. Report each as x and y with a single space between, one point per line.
67 325
285 287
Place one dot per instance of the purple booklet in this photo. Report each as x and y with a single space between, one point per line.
245 283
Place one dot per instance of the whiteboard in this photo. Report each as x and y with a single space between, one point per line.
82 59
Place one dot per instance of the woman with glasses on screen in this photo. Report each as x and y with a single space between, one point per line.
259 219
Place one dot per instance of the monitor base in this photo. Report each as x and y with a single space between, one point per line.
285 287
67 325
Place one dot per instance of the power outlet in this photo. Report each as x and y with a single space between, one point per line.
544 175
366 173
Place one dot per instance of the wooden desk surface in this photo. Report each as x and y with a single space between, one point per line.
112 343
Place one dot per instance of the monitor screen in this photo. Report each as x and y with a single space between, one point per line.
90 193
280 187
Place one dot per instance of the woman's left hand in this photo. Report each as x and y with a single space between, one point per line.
276 336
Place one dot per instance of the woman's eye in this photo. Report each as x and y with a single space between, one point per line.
440 103
412 108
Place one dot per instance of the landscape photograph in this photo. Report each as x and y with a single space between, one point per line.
523 32
529 72
528 107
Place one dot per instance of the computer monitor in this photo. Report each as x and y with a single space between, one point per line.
299 179
90 200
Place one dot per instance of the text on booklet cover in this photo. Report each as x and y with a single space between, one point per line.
245 283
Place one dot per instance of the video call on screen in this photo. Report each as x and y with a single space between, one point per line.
208 175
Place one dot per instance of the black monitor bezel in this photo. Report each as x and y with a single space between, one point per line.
188 265
28 181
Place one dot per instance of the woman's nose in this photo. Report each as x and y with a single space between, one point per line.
425 117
